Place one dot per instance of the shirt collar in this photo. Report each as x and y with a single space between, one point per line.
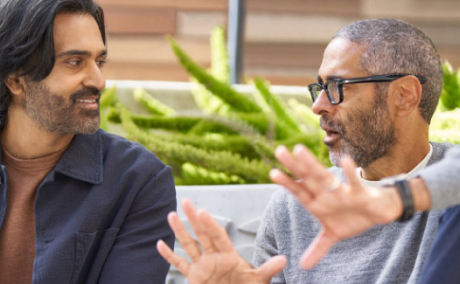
408 175
83 159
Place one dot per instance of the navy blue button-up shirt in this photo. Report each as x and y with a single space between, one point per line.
100 212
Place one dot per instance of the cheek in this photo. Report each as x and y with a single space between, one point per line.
352 122
342 114
62 85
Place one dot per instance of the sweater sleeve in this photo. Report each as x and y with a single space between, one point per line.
443 180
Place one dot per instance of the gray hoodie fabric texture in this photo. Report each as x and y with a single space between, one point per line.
394 253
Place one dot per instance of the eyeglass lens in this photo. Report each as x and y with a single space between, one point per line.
332 90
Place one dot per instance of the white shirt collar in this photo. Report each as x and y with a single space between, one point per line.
408 175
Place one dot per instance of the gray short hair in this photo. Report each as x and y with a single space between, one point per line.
394 46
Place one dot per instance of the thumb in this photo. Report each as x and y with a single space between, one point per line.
317 250
271 267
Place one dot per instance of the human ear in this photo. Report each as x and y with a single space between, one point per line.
408 94
15 83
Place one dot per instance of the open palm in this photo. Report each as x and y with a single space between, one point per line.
344 210
217 261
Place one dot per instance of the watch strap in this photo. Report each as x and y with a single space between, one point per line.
403 188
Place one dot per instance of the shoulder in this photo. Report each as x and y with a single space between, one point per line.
117 148
128 161
338 173
283 200
285 210
439 151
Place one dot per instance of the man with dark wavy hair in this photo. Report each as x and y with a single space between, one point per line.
77 205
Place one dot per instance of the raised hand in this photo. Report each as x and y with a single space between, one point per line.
344 210
217 261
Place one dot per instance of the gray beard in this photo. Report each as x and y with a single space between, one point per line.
368 136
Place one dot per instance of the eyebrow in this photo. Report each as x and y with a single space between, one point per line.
328 78
85 53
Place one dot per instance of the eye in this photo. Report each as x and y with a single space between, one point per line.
74 63
101 63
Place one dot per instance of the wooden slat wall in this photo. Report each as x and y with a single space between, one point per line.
284 39
325 7
140 20
202 5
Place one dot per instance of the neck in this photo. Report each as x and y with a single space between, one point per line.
402 158
25 139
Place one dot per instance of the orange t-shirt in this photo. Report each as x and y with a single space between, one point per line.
17 235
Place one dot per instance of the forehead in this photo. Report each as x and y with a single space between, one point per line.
342 59
76 32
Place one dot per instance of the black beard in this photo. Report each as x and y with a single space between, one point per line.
58 114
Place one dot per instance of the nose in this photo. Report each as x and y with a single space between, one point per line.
322 105
94 77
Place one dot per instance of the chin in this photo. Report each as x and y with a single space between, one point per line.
89 131
90 128
335 157
336 152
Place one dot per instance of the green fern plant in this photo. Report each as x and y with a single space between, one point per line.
237 101
220 70
233 141
450 96
235 147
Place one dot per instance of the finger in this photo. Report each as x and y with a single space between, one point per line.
271 267
319 178
349 167
317 250
188 243
218 235
304 154
298 189
198 227
290 162
179 262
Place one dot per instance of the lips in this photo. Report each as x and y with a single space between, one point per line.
333 131
89 103
331 136
86 95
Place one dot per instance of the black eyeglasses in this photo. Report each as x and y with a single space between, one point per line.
334 87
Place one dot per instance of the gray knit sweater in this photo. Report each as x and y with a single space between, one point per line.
394 253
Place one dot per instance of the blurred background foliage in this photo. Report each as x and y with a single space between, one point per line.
233 140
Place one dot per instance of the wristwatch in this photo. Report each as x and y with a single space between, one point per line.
403 188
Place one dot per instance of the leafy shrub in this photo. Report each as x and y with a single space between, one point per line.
233 140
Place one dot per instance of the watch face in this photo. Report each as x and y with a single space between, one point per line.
390 181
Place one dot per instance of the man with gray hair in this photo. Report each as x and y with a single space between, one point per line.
378 86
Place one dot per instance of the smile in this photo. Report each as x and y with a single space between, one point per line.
86 101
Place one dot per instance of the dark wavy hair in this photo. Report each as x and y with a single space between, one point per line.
394 46
26 38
